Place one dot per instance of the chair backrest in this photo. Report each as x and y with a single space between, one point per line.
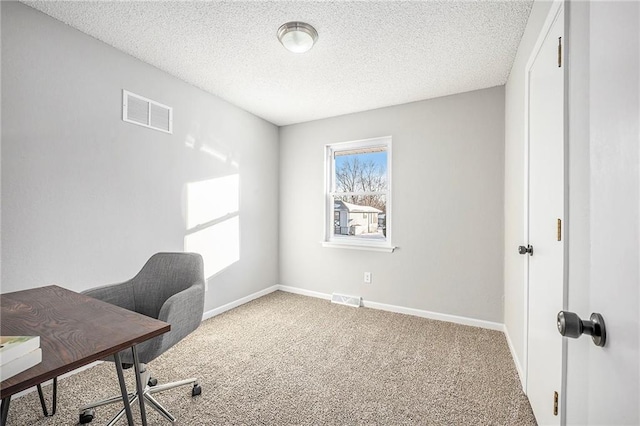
164 275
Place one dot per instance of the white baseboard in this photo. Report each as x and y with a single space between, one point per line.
236 303
304 292
402 310
514 355
435 315
368 304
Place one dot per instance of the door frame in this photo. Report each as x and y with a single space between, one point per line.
554 10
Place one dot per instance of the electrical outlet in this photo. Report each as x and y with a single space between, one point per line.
367 277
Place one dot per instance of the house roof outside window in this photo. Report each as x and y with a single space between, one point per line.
354 208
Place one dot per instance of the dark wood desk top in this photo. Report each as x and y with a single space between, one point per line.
74 330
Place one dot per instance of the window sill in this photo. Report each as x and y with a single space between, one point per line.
356 246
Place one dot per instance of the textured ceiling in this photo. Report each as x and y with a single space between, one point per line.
369 54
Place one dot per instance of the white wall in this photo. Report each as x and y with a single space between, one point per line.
86 197
447 204
514 309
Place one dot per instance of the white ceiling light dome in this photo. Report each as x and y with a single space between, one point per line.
297 37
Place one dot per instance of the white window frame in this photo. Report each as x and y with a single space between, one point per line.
350 242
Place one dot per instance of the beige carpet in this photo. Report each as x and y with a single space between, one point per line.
286 359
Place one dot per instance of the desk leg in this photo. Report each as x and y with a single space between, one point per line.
54 399
123 389
139 386
4 410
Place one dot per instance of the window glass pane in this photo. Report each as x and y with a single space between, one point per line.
361 172
361 216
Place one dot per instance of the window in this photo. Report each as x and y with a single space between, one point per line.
358 195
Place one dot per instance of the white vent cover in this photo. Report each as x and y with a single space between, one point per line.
139 110
342 299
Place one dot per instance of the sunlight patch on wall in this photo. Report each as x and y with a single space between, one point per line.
190 142
212 199
213 222
218 244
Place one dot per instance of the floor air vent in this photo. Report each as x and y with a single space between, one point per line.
341 299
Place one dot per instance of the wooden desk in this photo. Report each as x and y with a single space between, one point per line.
74 330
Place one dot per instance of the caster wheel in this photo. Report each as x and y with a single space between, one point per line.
87 416
197 390
152 381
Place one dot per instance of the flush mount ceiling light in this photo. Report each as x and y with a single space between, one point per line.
297 37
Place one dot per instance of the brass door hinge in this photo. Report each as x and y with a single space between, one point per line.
559 52
559 229
555 403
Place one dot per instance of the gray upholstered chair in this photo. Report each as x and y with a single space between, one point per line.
170 287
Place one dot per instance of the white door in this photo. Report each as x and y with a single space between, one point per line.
546 212
603 384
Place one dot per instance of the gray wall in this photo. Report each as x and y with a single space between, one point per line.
86 197
514 286
448 185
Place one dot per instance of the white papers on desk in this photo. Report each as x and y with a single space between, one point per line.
18 353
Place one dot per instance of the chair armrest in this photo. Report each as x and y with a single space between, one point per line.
184 310
117 294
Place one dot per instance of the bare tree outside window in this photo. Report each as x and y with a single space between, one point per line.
358 174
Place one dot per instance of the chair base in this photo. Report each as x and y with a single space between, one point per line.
87 412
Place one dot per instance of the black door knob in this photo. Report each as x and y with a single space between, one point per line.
570 325
525 250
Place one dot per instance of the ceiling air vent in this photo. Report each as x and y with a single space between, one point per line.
139 110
